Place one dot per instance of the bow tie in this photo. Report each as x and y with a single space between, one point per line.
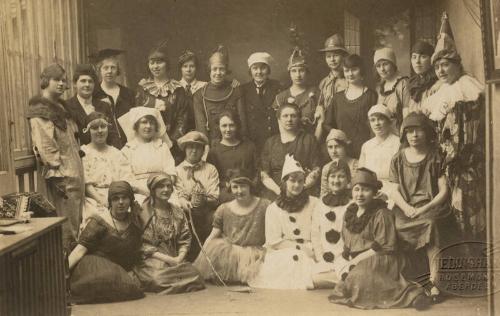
192 168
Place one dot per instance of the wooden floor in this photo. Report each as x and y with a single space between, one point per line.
220 301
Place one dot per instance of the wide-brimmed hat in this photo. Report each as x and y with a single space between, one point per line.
290 166
193 137
445 46
128 120
367 177
260 57
334 43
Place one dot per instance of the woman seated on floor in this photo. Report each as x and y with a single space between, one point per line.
289 259
102 164
166 241
372 275
107 249
234 247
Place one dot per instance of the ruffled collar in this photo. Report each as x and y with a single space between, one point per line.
443 101
356 224
334 200
292 204
42 107
386 93
168 88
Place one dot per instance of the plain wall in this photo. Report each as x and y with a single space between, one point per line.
243 26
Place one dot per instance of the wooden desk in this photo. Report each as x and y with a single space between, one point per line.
32 270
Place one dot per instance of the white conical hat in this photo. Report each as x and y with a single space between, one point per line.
290 166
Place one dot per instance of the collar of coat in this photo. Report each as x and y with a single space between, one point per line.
42 107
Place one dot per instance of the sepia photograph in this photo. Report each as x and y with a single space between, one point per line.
265 157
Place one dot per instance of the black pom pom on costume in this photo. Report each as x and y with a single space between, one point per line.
328 256
344 276
81 153
352 266
331 216
296 231
292 219
295 258
346 254
332 236
299 240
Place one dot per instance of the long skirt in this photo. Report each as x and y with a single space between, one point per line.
96 279
157 276
377 282
288 268
232 262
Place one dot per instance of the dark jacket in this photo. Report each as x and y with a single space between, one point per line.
261 117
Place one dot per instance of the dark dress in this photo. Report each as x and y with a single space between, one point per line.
124 102
78 114
210 101
351 116
273 157
224 158
101 275
169 235
418 184
261 116
377 281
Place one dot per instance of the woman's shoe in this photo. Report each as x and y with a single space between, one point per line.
422 302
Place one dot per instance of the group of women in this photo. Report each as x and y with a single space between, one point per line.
339 186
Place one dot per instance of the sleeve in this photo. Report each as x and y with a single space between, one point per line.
87 169
200 117
212 188
321 98
362 156
384 231
92 234
181 115
314 148
168 162
184 238
394 170
273 229
330 122
42 135
141 98
324 181
405 98
124 168
265 157
240 106
218 217
316 233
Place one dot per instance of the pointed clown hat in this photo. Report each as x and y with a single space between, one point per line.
290 166
220 56
297 59
445 46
